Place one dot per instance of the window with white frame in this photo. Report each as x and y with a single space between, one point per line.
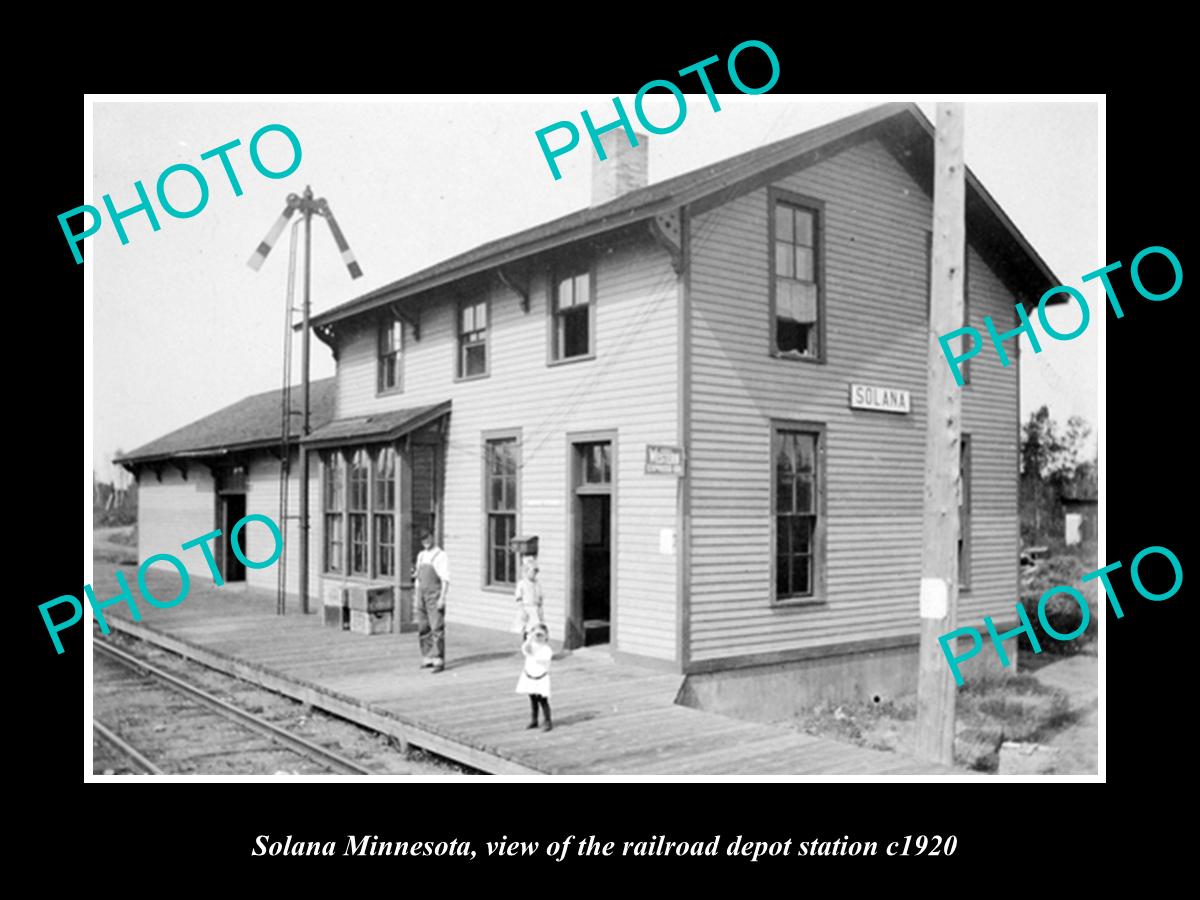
360 496
573 311
796 296
472 339
501 506
391 355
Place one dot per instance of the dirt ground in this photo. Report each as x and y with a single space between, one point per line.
1077 742
1055 704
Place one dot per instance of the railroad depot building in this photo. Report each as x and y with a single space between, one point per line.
705 396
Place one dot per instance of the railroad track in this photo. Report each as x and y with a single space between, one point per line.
151 677
114 742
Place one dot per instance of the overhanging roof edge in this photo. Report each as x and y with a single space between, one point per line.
408 425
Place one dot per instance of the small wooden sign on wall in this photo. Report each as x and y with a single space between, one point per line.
881 399
661 460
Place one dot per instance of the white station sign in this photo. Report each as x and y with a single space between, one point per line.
664 460
881 399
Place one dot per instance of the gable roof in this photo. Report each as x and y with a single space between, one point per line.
902 127
248 424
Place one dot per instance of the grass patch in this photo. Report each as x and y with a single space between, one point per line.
1023 708
128 537
989 711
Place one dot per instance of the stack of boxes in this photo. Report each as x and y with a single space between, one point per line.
371 609
336 607
363 610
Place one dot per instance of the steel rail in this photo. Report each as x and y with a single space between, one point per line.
289 740
141 761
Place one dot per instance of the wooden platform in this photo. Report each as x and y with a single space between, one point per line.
609 718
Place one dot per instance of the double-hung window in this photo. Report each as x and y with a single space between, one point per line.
501 501
796 296
472 339
391 352
798 514
573 309
335 536
360 478
360 492
384 506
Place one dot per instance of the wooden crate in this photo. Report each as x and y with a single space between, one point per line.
362 622
371 599
335 609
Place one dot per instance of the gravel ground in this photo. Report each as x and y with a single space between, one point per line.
160 723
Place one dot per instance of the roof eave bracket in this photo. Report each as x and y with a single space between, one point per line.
517 282
328 336
666 229
413 322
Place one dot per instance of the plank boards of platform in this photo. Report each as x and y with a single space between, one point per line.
610 718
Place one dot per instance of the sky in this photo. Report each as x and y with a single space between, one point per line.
183 327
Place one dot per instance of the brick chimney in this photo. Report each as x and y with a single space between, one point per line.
623 171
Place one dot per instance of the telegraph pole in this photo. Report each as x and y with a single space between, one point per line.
305 341
939 570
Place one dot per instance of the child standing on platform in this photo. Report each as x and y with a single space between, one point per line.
529 598
535 676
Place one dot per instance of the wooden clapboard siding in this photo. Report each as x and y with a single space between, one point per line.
630 388
991 417
173 512
875 222
262 497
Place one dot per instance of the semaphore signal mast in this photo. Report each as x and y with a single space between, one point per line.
308 206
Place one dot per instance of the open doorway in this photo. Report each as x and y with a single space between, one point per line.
231 507
590 612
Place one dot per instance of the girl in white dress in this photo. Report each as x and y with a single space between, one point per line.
529 599
535 676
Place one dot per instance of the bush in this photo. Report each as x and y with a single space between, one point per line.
1062 610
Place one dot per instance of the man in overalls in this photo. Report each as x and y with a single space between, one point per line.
432 574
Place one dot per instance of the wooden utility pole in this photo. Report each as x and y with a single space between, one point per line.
939 570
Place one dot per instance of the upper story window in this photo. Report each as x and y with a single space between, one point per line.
573 306
472 339
391 352
796 296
